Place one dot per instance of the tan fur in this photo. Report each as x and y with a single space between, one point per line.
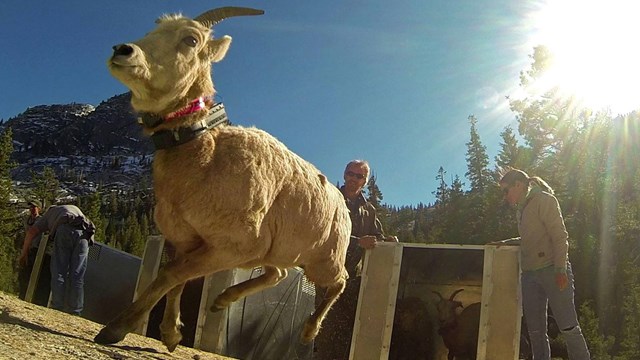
233 197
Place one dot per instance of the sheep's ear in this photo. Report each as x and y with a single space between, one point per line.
218 48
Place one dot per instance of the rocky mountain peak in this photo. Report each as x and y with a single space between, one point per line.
86 145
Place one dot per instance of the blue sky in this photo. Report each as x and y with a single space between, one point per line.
390 82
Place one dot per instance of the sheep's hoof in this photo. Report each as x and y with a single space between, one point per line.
107 336
172 340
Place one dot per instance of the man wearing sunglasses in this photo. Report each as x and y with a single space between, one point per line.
366 228
334 341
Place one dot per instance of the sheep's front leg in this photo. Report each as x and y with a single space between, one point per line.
171 324
173 274
133 316
271 277
312 326
199 262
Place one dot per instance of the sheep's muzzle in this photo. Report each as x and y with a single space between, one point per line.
123 55
122 49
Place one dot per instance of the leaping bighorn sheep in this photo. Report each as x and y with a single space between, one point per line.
226 196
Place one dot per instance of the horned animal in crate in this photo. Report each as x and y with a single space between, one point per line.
459 331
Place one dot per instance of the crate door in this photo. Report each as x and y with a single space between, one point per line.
376 302
499 336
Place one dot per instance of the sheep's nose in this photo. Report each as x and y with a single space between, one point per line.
122 49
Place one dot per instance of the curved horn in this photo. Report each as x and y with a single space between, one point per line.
455 293
213 17
437 293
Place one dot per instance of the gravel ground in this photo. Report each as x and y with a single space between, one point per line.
29 331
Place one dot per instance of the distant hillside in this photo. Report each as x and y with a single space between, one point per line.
86 146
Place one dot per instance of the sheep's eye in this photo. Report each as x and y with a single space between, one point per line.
190 41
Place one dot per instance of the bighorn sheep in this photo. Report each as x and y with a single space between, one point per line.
459 331
226 196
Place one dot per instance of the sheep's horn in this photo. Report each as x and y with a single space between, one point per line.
437 293
455 293
213 17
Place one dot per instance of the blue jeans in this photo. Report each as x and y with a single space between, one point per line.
68 265
539 289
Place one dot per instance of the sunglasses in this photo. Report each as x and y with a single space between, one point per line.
355 175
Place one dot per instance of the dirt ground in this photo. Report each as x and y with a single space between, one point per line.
29 331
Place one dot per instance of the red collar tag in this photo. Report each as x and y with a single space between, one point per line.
194 106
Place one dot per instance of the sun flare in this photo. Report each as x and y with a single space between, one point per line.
595 51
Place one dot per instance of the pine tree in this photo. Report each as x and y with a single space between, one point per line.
93 210
456 229
133 242
374 195
436 223
477 160
546 120
113 204
9 224
510 154
46 186
480 178
441 192
144 227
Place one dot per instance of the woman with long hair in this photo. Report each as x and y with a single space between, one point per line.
547 279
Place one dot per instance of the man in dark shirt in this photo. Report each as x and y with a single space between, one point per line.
24 274
72 232
334 340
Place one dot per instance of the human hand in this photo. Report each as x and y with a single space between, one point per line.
562 280
367 242
391 238
508 242
22 260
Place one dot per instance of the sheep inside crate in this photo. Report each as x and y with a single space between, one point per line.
442 270
410 273
226 196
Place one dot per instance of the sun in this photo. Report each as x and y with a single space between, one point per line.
594 44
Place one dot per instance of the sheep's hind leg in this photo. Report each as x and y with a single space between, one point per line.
312 326
171 324
271 277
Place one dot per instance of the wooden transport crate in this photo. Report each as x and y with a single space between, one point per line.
397 274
